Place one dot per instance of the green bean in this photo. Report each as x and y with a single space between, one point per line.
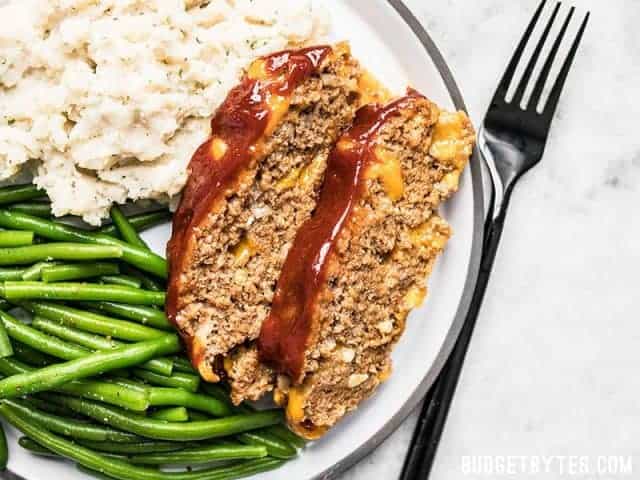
140 222
76 271
31 356
274 445
76 429
162 366
37 209
126 230
177 380
181 364
134 448
79 291
125 280
197 416
127 382
34 272
206 454
94 364
283 433
36 403
137 313
57 251
19 193
4 450
217 392
17 238
228 470
271 437
148 283
137 400
159 430
41 341
11 274
33 447
6 350
143 259
92 322
176 396
120 469
108 393
172 414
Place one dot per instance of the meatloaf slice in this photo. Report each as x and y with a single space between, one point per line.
251 185
360 264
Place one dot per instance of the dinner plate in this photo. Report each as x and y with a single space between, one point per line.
390 42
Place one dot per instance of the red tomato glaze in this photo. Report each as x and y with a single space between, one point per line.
285 334
240 122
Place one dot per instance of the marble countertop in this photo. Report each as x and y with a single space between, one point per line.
551 369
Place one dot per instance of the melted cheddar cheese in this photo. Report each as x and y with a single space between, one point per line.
451 142
414 297
243 251
388 170
429 235
303 176
295 404
371 90
218 148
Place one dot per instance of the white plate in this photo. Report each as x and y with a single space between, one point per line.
392 44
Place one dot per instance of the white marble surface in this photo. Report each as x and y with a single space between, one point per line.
552 366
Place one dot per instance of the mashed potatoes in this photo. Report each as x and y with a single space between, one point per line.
106 100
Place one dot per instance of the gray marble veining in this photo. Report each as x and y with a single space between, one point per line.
552 367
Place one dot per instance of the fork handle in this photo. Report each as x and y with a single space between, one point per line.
435 408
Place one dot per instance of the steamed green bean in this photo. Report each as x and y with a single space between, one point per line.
93 322
76 429
31 356
125 229
34 272
140 221
137 313
198 455
17 238
118 468
77 271
137 400
141 258
171 414
37 209
57 251
11 273
6 350
19 193
79 291
162 366
177 380
142 447
35 448
41 341
159 396
124 280
159 430
97 363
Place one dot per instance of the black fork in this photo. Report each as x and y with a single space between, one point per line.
511 140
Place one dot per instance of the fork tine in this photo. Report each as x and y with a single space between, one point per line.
546 69
554 96
524 81
501 92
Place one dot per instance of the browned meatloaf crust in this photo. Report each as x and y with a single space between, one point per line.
225 272
376 268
